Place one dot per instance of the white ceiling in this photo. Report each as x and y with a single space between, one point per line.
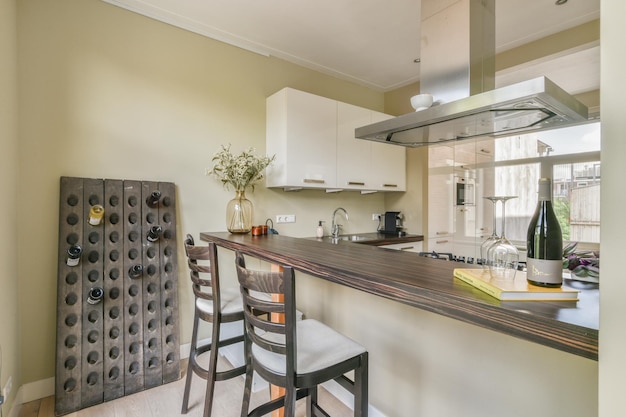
370 42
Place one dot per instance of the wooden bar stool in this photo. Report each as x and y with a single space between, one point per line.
297 354
213 306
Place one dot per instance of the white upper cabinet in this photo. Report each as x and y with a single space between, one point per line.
388 169
315 147
302 133
353 155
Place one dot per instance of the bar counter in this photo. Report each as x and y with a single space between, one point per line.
429 284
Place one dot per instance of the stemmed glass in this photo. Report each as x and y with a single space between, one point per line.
484 247
502 255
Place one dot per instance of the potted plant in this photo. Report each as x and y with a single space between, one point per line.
239 172
584 265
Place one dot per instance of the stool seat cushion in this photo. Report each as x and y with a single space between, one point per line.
230 300
318 345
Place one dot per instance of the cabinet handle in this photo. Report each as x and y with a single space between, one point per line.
355 183
441 233
313 181
406 248
485 151
442 241
390 185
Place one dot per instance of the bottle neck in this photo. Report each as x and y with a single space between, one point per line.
545 189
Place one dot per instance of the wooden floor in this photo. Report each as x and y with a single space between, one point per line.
166 400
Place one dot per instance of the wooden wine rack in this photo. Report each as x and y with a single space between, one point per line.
129 341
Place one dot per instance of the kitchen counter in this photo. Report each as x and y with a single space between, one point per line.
429 284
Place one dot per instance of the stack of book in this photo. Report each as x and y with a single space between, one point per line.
512 289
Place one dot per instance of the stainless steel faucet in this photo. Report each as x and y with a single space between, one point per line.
334 230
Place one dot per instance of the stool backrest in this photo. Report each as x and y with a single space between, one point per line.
204 271
262 327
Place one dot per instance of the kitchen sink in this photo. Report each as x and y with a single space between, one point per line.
353 238
348 238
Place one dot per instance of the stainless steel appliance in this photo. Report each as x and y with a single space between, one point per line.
464 190
447 256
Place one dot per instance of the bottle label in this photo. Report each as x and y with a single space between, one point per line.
545 271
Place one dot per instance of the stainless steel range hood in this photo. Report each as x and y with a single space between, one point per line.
527 106
458 48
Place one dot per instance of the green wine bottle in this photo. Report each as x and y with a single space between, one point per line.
544 243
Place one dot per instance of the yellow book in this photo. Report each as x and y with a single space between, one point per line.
517 289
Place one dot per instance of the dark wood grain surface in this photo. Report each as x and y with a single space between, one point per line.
429 284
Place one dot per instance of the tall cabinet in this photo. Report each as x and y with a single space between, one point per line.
441 216
460 174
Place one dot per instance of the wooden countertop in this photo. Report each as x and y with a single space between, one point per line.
428 284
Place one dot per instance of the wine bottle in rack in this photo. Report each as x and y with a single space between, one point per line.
73 255
544 242
135 271
95 214
153 198
95 295
154 233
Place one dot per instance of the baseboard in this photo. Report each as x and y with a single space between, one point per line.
31 392
35 390
15 410
347 398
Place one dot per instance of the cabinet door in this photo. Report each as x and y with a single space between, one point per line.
353 155
388 167
406 247
302 133
465 153
440 205
441 244
440 191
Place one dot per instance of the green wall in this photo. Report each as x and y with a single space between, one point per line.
9 317
106 93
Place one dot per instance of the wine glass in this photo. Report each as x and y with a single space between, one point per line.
502 255
494 236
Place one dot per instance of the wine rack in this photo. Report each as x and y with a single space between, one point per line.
127 340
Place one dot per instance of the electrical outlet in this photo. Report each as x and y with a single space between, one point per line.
286 218
376 216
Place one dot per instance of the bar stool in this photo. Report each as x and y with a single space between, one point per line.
214 306
297 354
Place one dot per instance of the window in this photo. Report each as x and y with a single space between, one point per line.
571 157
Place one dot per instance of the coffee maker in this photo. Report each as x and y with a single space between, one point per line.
392 223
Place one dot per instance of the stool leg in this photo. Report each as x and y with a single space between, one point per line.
311 401
247 387
192 355
290 401
361 388
210 382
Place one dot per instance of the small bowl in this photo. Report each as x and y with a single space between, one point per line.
422 101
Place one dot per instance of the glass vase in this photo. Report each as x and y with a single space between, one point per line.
239 214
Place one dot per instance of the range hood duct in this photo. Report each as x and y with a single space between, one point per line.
457 68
